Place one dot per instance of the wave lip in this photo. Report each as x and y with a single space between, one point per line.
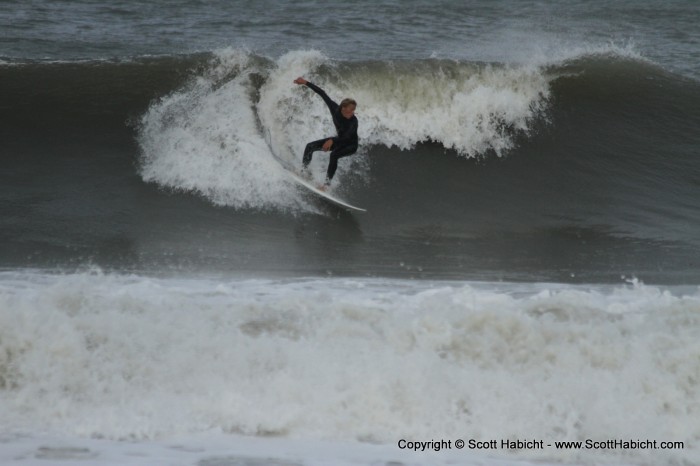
204 138
207 136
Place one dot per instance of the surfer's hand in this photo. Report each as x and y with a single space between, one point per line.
327 145
300 80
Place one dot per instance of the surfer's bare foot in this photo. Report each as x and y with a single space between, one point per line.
324 187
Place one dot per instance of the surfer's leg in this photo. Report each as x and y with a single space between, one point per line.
336 154
310 149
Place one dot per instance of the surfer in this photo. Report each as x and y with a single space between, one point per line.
342 145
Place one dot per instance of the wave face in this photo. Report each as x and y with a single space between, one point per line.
210 136
581 164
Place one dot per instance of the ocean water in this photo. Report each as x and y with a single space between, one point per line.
528 268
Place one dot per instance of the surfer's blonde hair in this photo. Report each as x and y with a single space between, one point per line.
348 101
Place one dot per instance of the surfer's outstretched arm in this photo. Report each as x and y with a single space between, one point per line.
332 106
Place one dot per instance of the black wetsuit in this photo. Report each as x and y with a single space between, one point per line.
344 144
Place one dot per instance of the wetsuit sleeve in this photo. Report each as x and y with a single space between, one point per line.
347 136
332 106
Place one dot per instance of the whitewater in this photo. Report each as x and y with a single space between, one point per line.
235 321
134 358
523 289
209 137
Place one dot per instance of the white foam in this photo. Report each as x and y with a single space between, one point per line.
209 137
463 106
131 357
205 137
471 109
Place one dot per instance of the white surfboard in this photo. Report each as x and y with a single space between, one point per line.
306 184
325 195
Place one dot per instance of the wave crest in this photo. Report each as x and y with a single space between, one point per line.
208 137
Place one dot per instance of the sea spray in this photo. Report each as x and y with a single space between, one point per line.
209 137
205 138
